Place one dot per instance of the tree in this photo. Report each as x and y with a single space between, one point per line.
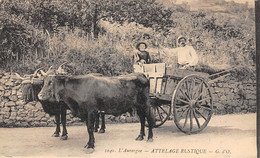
146 12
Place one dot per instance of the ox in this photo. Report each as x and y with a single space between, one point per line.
85 95
31 88
30 91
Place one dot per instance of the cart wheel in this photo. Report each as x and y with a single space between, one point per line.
192 104
161 113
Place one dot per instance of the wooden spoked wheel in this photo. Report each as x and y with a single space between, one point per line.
162 113
192 104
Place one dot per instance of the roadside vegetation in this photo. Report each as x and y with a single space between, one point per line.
100 35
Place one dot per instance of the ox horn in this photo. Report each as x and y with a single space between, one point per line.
46 73
43 73
50 71
60 70
35 73
19 76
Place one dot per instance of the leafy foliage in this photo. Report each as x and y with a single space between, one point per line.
100 36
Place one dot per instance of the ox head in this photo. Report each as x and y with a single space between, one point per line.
53 84
33 83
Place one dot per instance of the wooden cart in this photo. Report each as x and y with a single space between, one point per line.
185 94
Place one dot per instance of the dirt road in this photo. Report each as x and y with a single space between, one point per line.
225 136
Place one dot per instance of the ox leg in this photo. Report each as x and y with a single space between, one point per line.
103 126
63 122
151 122
142 121
150 133
57 121
96 121
90 125
131 111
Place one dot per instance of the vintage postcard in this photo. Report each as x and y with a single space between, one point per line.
128 78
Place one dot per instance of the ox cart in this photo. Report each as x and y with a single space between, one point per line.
184 93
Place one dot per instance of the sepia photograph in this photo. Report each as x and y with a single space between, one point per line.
129 78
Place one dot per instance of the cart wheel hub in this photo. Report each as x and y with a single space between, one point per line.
192 103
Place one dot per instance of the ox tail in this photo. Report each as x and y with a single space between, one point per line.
150 114
150 110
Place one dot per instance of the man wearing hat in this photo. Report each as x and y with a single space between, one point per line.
183 57
187 56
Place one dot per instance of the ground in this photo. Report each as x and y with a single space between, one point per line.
225 136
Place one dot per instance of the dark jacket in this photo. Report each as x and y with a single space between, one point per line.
145 56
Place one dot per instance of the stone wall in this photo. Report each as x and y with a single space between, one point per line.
230 96
233 96
14 112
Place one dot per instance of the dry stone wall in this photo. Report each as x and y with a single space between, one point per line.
233 96
230 96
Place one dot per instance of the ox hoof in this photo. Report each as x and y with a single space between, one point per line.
64 137
139 138
56 135
101 131
89 150
150 140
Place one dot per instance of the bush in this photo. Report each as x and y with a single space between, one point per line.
19 41
39 34
85 55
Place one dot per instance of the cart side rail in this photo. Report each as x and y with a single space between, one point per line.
222 74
